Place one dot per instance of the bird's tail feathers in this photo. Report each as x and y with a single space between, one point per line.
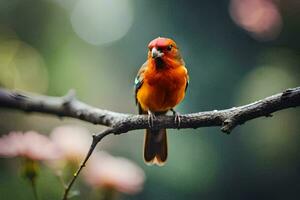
155 147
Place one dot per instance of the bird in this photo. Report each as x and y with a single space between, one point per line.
160 85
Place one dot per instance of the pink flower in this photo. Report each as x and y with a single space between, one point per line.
106 171
74 142
260 17
31 145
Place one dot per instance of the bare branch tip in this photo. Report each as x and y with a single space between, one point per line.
227 126
69 97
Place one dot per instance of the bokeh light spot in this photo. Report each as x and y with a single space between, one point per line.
259 17
101 21
22 67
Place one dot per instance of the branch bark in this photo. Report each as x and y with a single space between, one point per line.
118 123
69 106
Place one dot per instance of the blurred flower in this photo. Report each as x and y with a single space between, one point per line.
116 173
260 17
31 145
74 142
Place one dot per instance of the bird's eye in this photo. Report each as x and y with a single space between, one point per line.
169 48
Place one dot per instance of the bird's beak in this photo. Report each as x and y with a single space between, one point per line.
156 53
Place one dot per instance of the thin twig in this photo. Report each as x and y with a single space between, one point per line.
96 140
34 190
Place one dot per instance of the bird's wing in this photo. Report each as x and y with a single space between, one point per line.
138 82
187 80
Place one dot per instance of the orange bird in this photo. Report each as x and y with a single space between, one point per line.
160 85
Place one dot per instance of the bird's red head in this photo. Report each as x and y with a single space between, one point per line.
164 51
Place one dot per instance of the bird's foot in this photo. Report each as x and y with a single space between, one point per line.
151 117
177 118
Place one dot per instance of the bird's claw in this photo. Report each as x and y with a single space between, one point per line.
177 118
151 118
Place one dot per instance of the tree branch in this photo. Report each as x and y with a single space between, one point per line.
69 106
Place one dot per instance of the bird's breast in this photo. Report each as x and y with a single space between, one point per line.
162 90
